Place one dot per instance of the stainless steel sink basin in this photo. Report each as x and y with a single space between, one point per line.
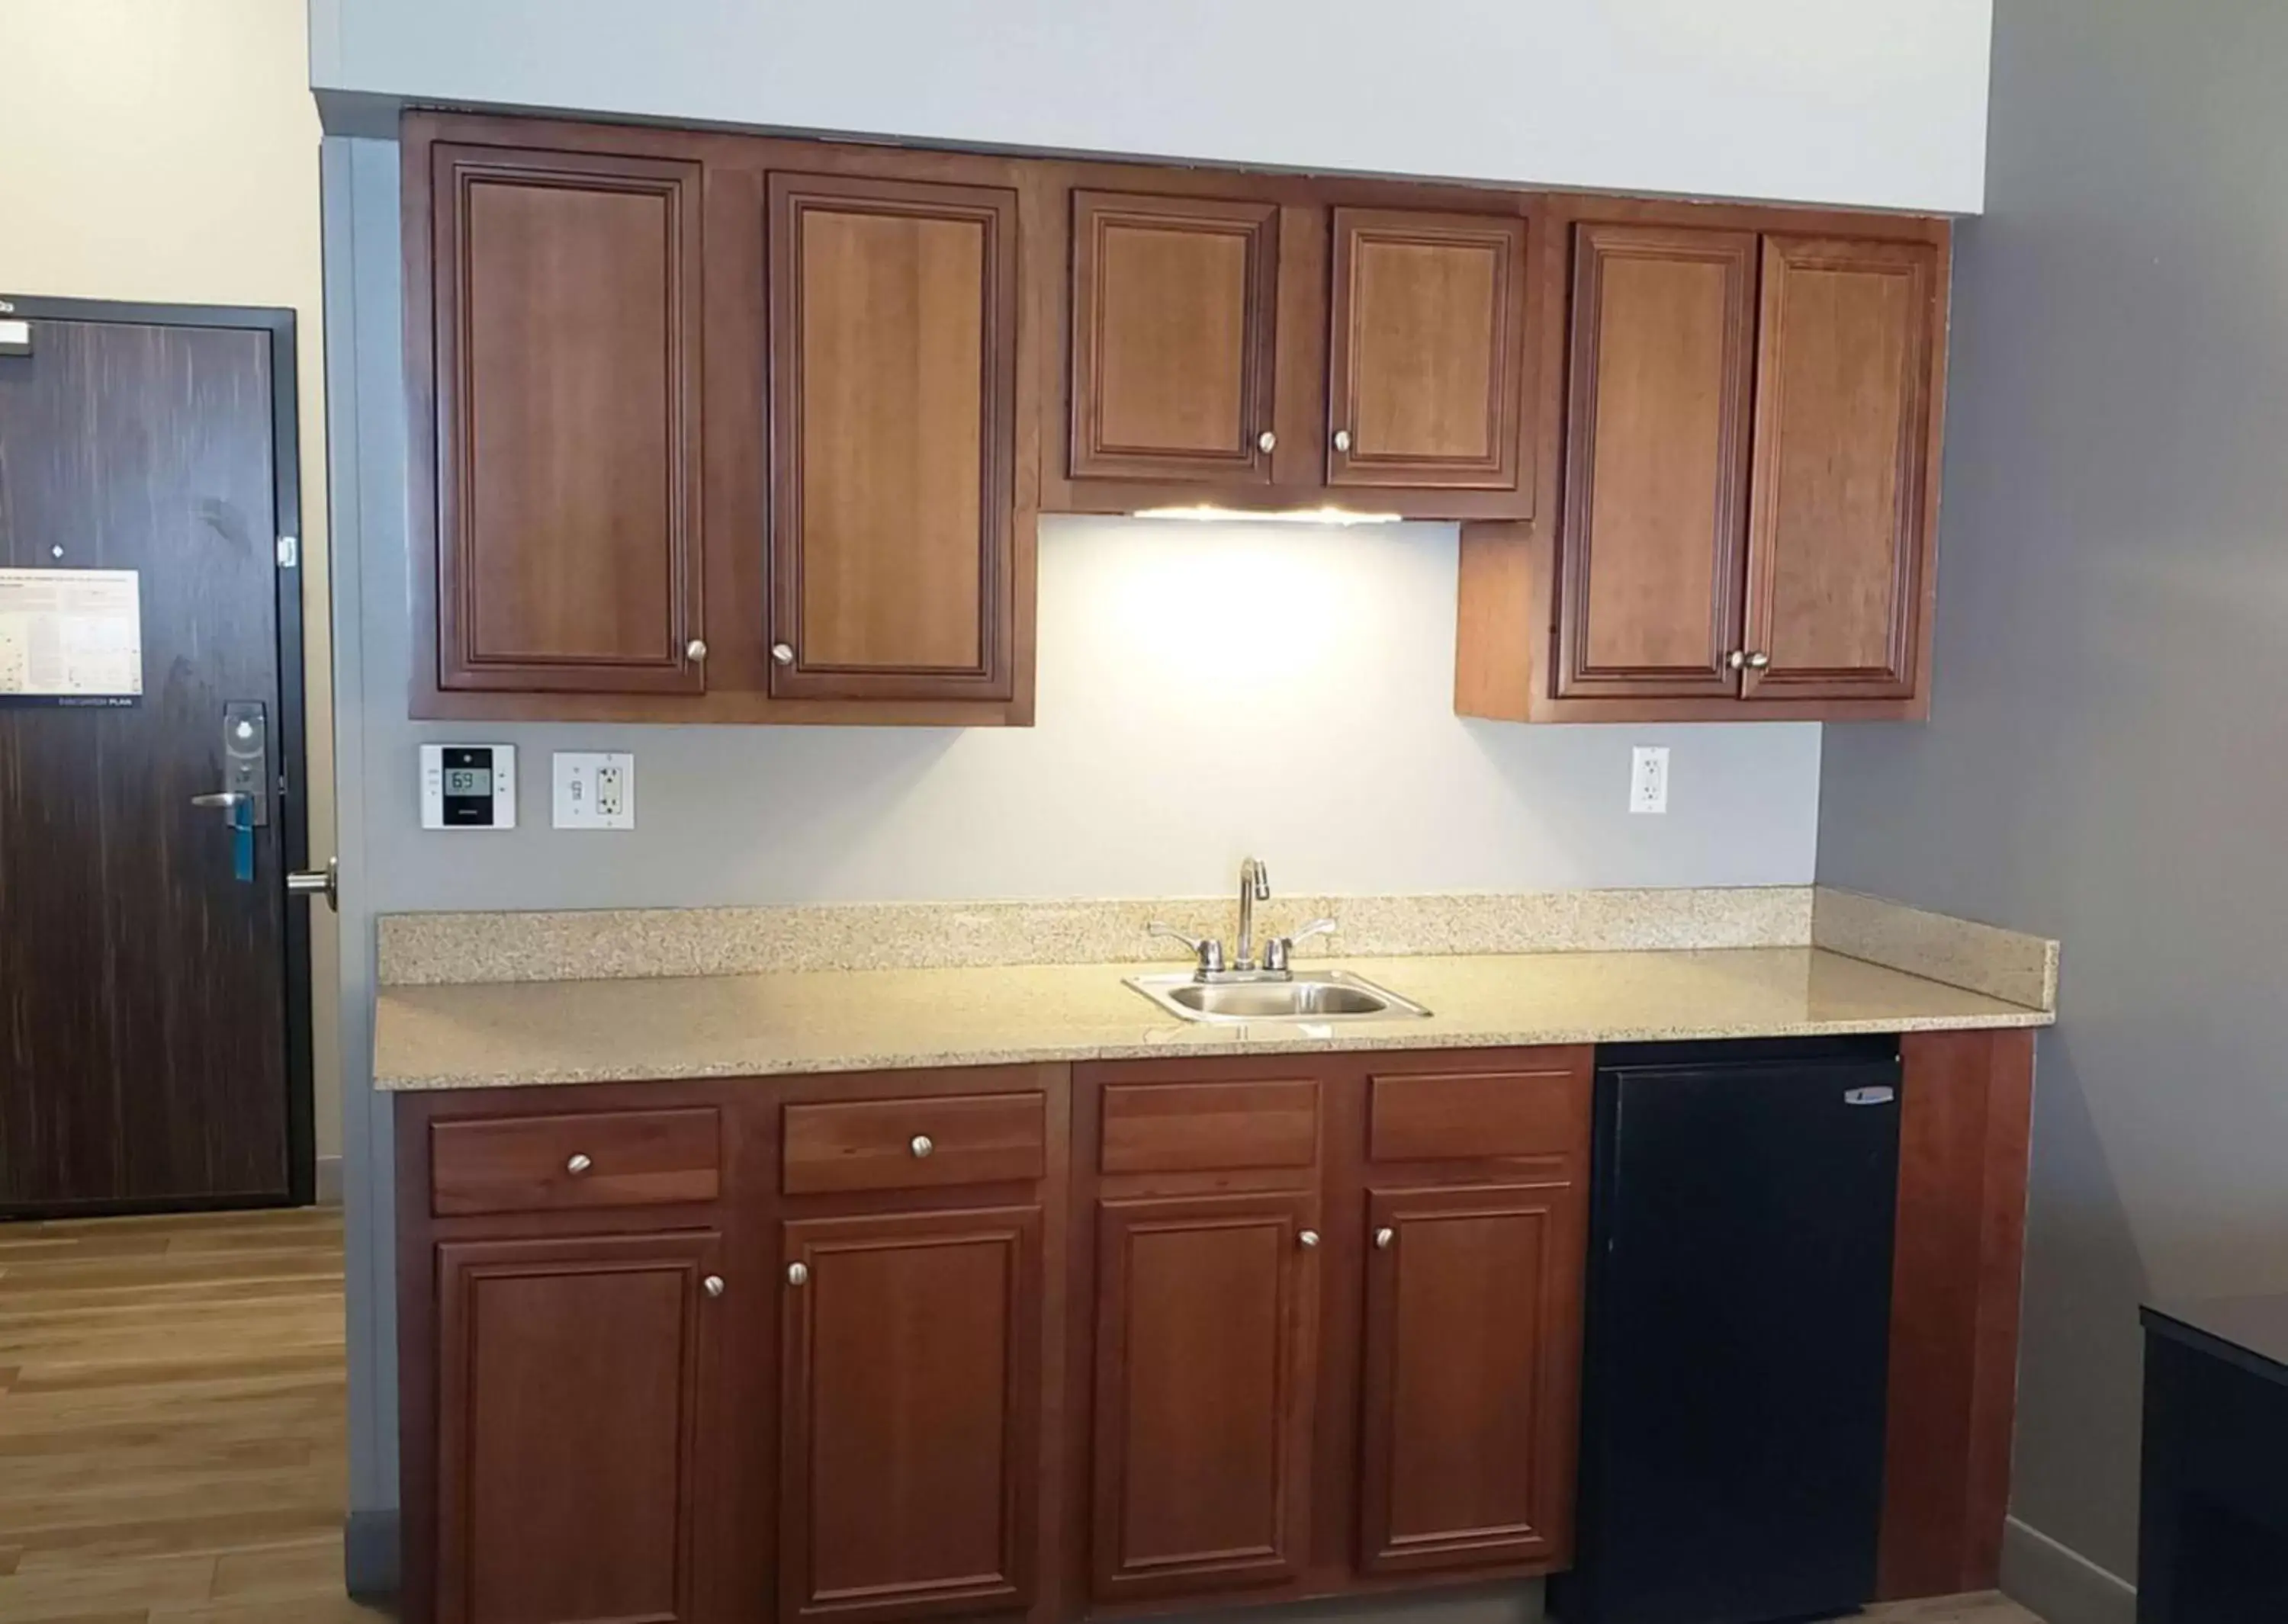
1308 996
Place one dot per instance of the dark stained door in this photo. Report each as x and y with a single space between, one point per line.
143 1017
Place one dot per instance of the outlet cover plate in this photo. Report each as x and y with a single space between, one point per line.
594 789
1649 779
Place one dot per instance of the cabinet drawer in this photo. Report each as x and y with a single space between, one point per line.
583 1159
915 1143
1441 1116
1210 1127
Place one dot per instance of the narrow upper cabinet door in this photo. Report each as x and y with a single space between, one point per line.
894 383
1174 312
1426 361
565 325
1837 542
1649 574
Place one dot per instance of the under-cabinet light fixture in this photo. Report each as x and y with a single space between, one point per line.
1278 516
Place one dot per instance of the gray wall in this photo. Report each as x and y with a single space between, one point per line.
2103 761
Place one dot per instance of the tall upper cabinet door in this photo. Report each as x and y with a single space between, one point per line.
1657 456
1837 548
1426 364
1174 316
564 304
894 399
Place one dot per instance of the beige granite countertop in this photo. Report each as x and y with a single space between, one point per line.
507 1034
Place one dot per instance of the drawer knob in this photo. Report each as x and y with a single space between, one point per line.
696 650
578 1165
1307 1238
783 652
1268 440
797 1273
713 1284
1383 1237
1342 439
921 1145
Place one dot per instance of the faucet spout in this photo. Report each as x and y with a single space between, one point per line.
1254 887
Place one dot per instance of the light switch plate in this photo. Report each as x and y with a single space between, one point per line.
595 789
1649 779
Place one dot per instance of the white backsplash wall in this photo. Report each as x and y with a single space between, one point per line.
1205 691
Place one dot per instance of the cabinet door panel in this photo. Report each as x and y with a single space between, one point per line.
1472 1337
892 342
1836 546
1204 1394
1650 573
565 310
571 1423
1174 310
1427 358
913 1395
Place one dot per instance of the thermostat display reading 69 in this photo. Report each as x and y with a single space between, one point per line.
468 786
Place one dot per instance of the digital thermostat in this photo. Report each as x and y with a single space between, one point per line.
468 786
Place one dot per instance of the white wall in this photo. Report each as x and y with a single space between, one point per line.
168 153
1874 102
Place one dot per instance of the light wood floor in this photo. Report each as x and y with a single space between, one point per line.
171 1425
171 1430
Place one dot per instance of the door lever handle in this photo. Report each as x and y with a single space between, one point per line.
221 800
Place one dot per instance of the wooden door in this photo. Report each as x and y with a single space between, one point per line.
1174 317
912 1411
565 337
1473 1337
1426 353
144 1040
1205 1336
1649 572
576 1423
894 398
1839 540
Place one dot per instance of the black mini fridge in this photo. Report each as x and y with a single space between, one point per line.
1741 1208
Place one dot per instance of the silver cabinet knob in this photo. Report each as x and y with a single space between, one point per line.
696 649
1758 663
1342 439
1383 1237
1735 659
782 653
1307 1238
797 1273
921 1145
712 1284
1266 441
578 1165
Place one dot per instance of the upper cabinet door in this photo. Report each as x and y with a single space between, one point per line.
1838 545
566 326
1656 454
1174 318
1426 357
893 397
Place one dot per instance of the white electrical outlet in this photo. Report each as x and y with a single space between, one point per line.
595 789
1648 778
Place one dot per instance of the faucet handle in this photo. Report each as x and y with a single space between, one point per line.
1276 951
1207 949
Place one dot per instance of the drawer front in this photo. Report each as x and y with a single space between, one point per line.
583 1159
915 1143
1210 1127
1449 1116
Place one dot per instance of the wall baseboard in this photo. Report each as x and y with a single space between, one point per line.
2059 1583
328 1185
370 1547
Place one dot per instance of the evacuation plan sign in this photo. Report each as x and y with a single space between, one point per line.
70 636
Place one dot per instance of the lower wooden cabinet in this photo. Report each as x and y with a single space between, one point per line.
1205 1353
577 1407
911 1408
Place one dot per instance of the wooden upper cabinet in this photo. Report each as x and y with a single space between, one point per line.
1205 1354
565 320
911 1443
1657 460
1427 353
1174 317
1843 469
893 341
574 1421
